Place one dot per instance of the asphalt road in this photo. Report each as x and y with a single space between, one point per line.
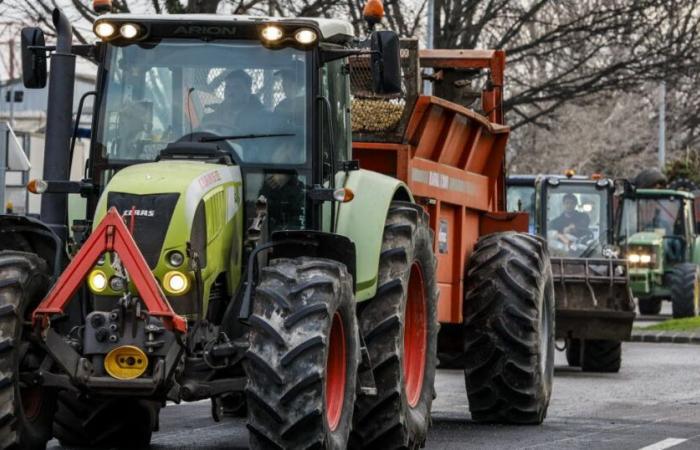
654 401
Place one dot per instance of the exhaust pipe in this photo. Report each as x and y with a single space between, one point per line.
59 121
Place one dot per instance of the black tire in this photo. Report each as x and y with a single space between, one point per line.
685 290
300 306
573 352
649 306
113 422
509 329
601 356
26 413
235 405
398 416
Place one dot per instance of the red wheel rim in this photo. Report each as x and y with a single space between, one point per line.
31 402
335 373
415 336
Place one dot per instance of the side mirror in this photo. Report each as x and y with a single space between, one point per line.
386 62
33 58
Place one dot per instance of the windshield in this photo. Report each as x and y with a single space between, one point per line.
663 216
157 93
577 218
522 198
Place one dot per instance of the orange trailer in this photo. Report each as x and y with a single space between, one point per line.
496 299
452 158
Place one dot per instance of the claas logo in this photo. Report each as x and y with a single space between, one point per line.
139 212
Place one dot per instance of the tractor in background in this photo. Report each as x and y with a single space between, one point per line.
657 232
594 305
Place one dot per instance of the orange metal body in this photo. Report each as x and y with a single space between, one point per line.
453 161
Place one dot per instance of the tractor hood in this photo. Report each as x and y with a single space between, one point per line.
177 206
645 238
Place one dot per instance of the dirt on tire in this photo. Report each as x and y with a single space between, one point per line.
25 413
295 394
399 415
509 329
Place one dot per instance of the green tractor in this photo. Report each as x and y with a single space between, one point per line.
656 230
231 250
594 305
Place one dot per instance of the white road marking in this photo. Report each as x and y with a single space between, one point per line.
666 443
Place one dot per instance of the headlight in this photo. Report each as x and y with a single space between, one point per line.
129 30
645 259
175 258
97 281
272 33
104 30
305 36
117 283
634 258
175 283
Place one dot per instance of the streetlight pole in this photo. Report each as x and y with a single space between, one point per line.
662 126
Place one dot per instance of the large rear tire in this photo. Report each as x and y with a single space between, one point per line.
649 306
303 356
685 290
400 327
601 356
115 422
26 412
509 329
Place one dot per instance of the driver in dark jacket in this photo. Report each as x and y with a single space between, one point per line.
570 222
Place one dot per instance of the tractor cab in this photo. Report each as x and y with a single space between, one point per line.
577 217
574 213
656 227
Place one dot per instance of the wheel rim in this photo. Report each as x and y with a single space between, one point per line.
335 373
31 402
415 336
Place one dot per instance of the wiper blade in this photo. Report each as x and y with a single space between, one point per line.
243 136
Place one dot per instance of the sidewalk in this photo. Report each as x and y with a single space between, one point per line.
675 337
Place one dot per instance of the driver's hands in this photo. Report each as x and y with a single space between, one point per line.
277 180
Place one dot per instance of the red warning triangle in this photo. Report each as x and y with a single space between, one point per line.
111 235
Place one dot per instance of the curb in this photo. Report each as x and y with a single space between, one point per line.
668 337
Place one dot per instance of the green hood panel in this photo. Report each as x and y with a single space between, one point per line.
645 238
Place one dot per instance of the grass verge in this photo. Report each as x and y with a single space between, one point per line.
688 324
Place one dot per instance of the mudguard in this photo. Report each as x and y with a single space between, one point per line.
362 220
31 235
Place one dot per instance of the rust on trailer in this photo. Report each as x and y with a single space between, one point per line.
452 159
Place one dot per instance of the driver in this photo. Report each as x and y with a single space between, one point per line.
570 222
240 112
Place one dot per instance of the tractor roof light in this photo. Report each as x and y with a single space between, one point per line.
305 36
272 33
175 283
129 30
105 30
37 186
97 281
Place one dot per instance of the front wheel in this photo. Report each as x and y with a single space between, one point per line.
601 356
685 290
509 329
26 411
303 356
399 326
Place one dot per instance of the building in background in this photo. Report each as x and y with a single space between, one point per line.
25 111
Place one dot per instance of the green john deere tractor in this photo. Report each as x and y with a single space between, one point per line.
656 230
229 250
